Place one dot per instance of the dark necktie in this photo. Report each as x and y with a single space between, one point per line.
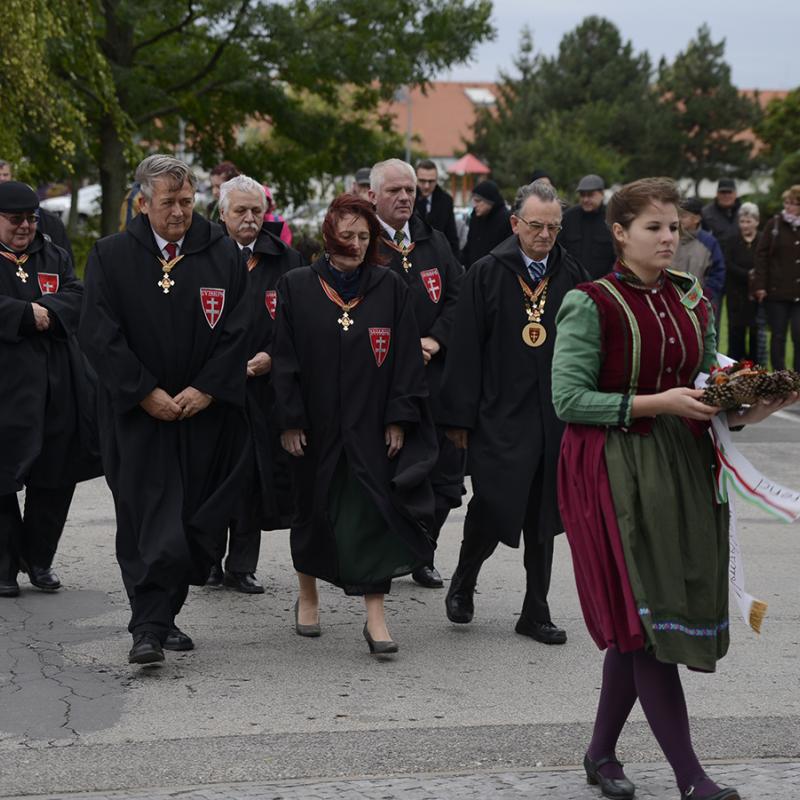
399 238
172 250
247 252
536 270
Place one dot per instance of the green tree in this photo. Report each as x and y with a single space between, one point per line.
590 108
41 42
779 128
708 110
191 74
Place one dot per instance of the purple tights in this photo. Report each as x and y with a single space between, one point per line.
628 676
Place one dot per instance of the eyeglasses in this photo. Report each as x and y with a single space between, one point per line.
17 219
538 227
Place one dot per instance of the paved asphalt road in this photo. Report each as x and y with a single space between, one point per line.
462 711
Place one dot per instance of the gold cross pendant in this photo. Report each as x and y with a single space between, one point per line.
166 283
21 274
406 262
345 321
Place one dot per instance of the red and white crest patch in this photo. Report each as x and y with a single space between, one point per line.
432 281
212 301
48 282
379 338
271 301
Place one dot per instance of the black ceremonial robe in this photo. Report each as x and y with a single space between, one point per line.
434 279
498 388
175 484
47 423
274 258
343 388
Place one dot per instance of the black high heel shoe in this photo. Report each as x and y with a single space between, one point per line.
379 648
615 788
305 630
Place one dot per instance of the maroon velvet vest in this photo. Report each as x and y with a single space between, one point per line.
651 337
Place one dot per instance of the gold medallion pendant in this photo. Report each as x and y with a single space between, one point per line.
534 334
166 283
346 321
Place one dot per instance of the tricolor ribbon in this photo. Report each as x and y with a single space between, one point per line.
735 472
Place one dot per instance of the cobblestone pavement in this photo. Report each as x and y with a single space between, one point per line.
765 780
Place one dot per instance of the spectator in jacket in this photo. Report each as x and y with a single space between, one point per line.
719 216
434 204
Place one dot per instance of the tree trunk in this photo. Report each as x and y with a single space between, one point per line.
72 218
113 176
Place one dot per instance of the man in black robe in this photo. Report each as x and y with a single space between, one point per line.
165 323
422 257
434 205
45 426
496 401
266 501
584 233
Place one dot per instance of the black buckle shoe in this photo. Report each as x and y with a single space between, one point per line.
177 640
9 588
428 577
214 579
146 649
615 788
460 606
544 632
723 794
43 578
245 582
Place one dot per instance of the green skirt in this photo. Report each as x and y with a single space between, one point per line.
369 553
675 539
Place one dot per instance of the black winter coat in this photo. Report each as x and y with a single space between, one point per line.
47 425
499 389
587 239
186 474
343 387
441 217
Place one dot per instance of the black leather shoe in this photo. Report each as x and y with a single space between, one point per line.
460 606
177 640
544 632
146 649
44 578
380 648
214 579
9 588
723 794
245 582
428 577
616 788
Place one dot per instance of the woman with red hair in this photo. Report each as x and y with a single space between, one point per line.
352 404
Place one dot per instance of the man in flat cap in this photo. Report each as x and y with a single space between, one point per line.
166 325
361 183
584 233
719 216
45 406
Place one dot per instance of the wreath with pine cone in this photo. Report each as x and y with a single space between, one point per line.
745 383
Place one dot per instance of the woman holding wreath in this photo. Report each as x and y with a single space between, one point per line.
636 489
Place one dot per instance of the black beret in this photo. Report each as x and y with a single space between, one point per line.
16 196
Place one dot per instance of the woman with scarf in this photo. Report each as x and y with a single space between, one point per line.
352 404
652 577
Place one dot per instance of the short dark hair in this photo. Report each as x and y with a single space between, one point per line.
426 163
352 205
632 199
227 169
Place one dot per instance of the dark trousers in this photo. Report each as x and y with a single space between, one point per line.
781 315
743 343
478 544
244 546
32 536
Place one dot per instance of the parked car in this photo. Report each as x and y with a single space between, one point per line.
88 203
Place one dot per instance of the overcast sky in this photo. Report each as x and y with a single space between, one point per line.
761 38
